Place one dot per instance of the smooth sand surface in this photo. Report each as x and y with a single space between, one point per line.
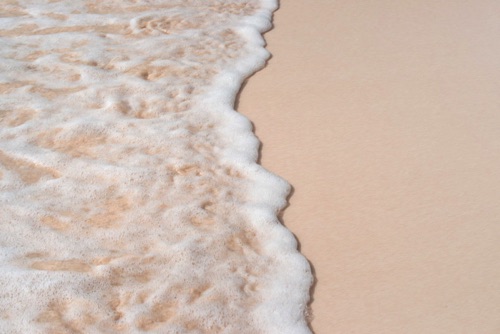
385 117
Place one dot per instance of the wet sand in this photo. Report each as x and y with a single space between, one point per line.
130 200
384 117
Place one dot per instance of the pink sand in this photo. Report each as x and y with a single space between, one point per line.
385 117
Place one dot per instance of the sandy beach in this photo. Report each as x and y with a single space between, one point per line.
384 118
130 195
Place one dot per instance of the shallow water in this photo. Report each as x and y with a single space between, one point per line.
129 193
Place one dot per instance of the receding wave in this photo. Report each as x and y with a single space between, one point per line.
130 196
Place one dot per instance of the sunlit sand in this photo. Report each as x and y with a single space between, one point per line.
384 117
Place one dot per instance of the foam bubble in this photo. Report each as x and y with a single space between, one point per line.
130 193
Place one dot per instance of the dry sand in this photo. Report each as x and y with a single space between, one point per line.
384 116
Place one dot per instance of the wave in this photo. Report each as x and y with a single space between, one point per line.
131 198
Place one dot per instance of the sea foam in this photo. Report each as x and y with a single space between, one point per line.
130 196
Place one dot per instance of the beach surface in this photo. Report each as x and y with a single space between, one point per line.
384 118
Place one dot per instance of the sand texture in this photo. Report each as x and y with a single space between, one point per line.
384 116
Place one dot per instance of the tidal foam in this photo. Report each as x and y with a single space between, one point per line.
130 196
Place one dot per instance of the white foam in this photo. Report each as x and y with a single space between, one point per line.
131 198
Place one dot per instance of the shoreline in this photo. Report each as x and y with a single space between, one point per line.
132 201
383 118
